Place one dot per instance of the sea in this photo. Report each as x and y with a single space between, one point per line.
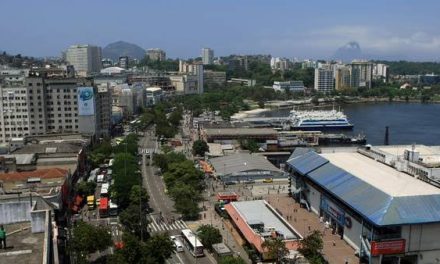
409 123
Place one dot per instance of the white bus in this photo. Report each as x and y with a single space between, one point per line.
193 244
112 208
104 190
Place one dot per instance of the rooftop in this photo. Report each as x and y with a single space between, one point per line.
42 174
24 247
383 177
239 162
399 150
259 211
240 131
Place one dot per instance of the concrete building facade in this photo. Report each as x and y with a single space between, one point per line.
324 80
207 56
156 54
86 59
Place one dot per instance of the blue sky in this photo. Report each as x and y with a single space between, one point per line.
302 29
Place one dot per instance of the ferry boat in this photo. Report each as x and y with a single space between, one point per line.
319 120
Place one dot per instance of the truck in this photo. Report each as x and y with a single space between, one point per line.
103 207
91 202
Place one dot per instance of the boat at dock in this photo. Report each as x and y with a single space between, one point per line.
319 120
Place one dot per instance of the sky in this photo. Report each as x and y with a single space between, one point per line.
388 29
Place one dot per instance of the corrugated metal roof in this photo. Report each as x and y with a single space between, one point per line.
240 162
299 152
307 162
375 205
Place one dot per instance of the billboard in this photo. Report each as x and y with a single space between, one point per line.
86 102
387 247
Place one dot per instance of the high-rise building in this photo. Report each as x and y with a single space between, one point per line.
156 54
207 56
279 64
342 78
40 105
85 58
324 80
190 78
380 71
361 74
123 62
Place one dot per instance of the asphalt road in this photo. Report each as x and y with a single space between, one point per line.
162 205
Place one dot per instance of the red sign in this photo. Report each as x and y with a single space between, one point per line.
387 247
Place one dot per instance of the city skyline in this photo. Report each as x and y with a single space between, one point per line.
397 30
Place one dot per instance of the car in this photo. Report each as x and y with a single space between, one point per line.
230 183
177 243
268 180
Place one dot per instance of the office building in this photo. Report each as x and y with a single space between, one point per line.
324 80
214 79
189 79
381 72
124 62
39 105
279 64
342 78
292 86
207 56
106 63
361 74
86 59
386 215
156 54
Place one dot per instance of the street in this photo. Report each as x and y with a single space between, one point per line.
163 218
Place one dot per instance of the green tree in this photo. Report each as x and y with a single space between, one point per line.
311 246
186 199
200 147
209 235
126 174
87 239
86 188
276 249
159 248
183 172
249 144
232 260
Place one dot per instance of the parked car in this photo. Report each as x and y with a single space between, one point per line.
230 183
248 181
177 243
268 180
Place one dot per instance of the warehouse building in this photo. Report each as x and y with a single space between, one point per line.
244 167
388 216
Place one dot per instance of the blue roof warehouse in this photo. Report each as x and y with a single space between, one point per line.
388 216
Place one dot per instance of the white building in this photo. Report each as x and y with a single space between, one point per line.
207 56
279 64
189 79
324 80
38 106
154 95
381 71
156 54
293 86
85 58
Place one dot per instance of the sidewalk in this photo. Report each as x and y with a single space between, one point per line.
335 249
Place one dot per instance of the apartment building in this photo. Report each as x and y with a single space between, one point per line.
86 59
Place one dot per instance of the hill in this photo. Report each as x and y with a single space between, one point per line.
121 48
348 52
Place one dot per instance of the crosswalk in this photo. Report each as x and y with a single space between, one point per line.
146 150
160 226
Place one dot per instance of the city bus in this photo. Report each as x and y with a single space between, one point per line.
103 207
104 190
192 243
91 202
112 209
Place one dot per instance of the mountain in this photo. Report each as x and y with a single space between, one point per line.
121 48
348 52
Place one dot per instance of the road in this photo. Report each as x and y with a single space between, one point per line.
162 205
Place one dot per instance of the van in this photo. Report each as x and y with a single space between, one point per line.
177 244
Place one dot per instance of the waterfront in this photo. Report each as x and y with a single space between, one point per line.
408 122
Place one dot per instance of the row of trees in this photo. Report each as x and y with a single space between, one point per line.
183 181
165 117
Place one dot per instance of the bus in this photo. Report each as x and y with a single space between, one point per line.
103 207
91 202
112 209
192 243
104 190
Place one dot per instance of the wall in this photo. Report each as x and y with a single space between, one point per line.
38 221
422 237
353 235
314 198
13 212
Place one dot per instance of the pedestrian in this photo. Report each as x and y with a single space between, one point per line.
2 237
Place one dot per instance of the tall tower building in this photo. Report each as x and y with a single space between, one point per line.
324 80
86 59
362 74
207 56
156 54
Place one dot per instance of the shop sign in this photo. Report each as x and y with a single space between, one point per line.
387 247
333 210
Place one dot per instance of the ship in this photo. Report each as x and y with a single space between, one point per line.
319 120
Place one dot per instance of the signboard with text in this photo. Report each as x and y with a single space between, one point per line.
86 102
333 210
387 247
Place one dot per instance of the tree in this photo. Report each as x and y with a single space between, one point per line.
232 260
209 235
200 147
311 246
183 172
276 249
159 248
86 188
87 239
186 199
